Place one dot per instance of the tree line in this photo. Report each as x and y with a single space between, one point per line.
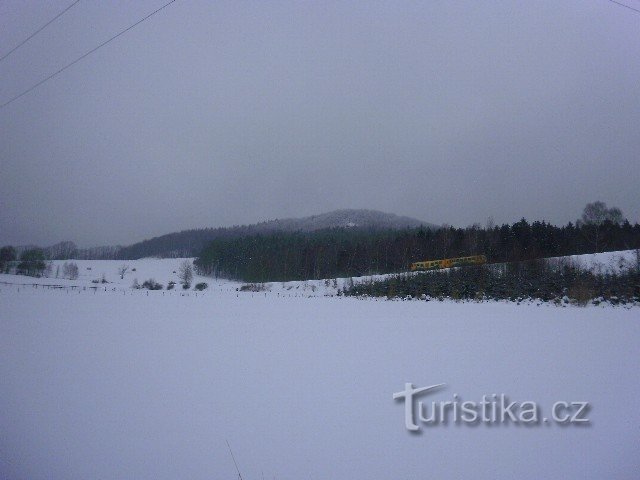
242 253
284 256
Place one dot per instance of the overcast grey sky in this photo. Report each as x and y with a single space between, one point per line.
221 113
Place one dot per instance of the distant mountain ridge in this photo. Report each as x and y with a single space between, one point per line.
188 243
347 218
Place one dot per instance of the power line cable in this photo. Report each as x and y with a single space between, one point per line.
33 87
234 460
38 31
625 6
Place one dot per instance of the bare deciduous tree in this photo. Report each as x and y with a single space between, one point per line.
122 270
185 272
70 270
48 269
597 213
594 216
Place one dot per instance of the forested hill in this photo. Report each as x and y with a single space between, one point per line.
340 252
190 243
350 218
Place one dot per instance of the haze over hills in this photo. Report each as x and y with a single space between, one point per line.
347 218
190 242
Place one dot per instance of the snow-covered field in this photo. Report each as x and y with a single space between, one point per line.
115 383
92 272
162 270
606 262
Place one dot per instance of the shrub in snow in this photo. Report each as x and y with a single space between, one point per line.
517 282
186 286
253 287
201 286
170 285
151 284
70 270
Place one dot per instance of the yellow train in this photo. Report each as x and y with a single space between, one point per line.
448 262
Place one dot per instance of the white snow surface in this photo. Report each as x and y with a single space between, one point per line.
160 269
606 262
116 383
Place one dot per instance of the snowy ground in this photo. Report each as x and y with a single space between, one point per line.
116 383
165 270
606 262
162 270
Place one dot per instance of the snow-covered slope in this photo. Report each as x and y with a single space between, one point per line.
606 262
164 270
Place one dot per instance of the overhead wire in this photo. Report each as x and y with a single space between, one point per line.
57 72
625 6
38 31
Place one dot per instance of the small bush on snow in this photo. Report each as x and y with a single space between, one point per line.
151 284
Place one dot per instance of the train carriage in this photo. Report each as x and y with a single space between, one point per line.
448 263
